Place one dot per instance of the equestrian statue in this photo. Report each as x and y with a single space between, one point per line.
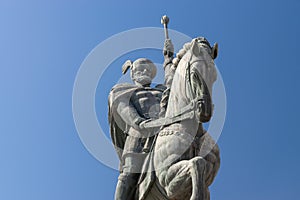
164 151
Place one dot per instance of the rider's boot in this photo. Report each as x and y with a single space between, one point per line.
126 186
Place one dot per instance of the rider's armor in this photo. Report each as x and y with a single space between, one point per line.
145 104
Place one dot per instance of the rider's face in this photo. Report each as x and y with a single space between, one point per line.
142 74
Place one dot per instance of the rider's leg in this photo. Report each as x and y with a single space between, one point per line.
128 179
126 186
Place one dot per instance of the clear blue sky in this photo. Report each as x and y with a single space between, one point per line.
43 44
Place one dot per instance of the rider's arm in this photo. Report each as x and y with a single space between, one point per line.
168 53
129 114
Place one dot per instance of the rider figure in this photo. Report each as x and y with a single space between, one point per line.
131 106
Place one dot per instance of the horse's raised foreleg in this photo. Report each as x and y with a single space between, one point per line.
186 179
197 170
176 180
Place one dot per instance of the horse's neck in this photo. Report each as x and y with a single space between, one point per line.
175 104
179 96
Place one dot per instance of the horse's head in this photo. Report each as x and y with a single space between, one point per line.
200 60
195 75
202 74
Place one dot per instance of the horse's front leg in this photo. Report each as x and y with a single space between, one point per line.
185 179
176 180
197 167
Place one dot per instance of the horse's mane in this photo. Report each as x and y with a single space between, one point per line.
181 53
187 46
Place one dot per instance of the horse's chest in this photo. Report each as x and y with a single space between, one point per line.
171 146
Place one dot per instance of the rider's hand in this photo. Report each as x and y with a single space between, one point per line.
136 122
168 48
142 124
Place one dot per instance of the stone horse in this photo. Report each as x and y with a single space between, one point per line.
185 159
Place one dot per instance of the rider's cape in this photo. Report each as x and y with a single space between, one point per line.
118 133
117 126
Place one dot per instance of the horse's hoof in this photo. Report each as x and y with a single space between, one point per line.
194 197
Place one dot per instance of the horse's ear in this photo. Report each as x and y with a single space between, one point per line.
214 52
195 48
126 66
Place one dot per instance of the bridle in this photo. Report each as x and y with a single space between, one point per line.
191 111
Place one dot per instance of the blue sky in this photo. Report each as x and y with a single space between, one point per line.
43 44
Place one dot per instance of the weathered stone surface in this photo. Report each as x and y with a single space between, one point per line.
164 151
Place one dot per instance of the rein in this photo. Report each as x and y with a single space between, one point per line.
187 112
